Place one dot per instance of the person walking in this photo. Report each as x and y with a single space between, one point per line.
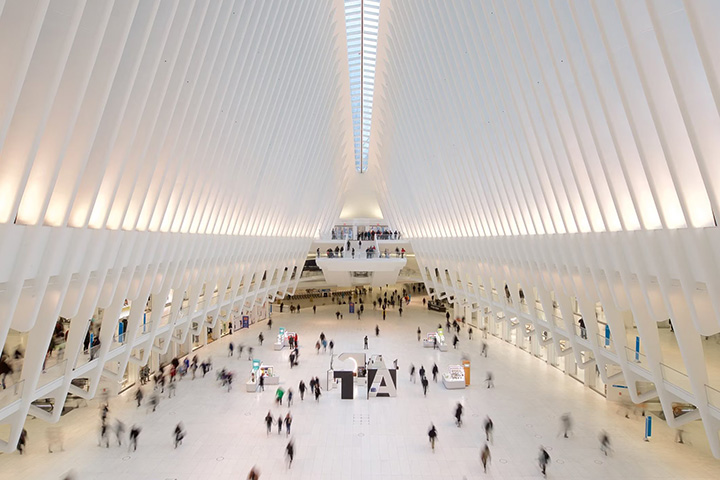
432 435
179 434
290 452
435 371
54 437
470 333
412 373
134 434
261 338
422 372
456 340
288 423
261 382
331 345
231 349
119 431
365 343
317 392
543 460
270 322
254 474
604 442
22 441
488 426
377 331
566 424
154 401
280 423
289 396
485 457
458 414
314 309
425 384
484 349
139 396
301 387
419 333
269 421
489 380
5 369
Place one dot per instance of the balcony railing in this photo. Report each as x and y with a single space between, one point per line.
676 377
11 393
52 373
638 358
605 342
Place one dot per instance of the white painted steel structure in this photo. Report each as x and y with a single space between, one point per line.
150 147
568 149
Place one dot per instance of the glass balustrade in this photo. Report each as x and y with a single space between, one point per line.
51 373
676 377
11 393
638 358
713 396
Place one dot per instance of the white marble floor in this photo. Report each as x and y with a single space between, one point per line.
226 433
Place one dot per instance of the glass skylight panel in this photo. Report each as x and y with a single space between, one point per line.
361 23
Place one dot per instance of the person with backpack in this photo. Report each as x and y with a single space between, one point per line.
432 435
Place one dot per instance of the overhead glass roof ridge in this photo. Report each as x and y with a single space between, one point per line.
361 24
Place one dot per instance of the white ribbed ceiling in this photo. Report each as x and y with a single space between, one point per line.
514 118
228 117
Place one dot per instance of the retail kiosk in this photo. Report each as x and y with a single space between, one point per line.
454 378
283 339
429 340
258 370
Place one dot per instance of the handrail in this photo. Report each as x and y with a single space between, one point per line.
640 359
676 377
11 393
605 342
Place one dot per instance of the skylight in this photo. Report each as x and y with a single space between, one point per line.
361 22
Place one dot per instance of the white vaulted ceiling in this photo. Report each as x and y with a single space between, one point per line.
199 116
547 116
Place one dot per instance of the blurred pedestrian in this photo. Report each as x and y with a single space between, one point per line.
290 451
134 434
543 460
485 457
179 434
432 435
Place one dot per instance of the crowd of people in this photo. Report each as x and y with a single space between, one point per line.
373 233
166 378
